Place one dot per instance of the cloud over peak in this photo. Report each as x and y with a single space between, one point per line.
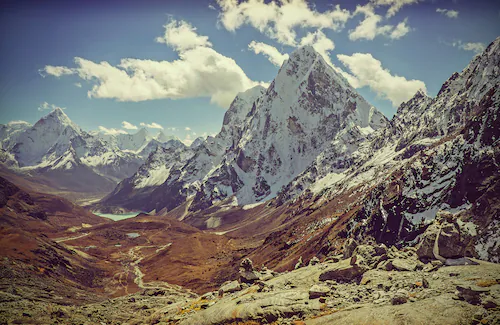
370 27
279 19
111 131
153 125
46 106
200 71
369 72
128 126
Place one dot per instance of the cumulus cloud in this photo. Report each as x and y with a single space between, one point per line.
370 27
79 85
187 140
56 71
279 19
181 36
187 128
111 131
152 125
394 5
476 47
18 122
322 44
200 71
128 126
46 106
369 72
448 13
273 55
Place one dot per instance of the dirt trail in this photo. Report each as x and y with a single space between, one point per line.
134 258
63 239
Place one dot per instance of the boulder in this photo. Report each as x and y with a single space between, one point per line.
318 290
404 264
400 297
230 286
314 261
249 276
369 256
246 264
452 242
345 271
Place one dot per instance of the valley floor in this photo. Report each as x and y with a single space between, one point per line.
397 290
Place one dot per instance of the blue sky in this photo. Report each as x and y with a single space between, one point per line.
410 39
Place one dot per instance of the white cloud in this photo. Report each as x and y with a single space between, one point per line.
128 126
56 71
370 26
18 122
448 13
188 140
46 106
111 131
79 85
394 5
369 72
181 36
322 44
187 128
279 19
272 53
200 71
152 125
476 47
400 30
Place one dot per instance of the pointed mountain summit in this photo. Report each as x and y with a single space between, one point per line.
268 136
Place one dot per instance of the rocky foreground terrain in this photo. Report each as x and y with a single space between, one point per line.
368 284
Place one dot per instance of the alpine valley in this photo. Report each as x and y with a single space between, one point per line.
308 207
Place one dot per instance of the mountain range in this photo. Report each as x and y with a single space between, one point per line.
57 149
307 143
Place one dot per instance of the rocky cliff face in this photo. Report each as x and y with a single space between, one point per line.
436 154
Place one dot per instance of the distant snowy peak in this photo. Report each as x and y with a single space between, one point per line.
57 119
162 137
197 142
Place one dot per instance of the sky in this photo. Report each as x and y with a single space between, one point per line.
117 66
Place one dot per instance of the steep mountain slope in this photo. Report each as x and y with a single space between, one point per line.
268 137
436 154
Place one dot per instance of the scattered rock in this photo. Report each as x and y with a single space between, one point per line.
318 290
349 247
470 294
399 298
314 261
342 272
246 264
299 263
230 286
404 264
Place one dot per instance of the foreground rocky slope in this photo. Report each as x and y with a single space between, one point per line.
367 283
